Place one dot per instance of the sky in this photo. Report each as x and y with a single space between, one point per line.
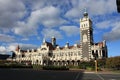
28 22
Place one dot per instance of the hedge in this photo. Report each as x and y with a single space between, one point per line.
15 66
55 68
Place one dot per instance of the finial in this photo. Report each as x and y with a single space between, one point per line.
85 12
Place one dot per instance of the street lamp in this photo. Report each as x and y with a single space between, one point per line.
96 65
95 56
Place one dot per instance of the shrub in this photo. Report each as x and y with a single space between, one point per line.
37 66
13 65
85 65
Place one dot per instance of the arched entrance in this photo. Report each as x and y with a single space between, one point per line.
54 63
63 63
58 63
73 62
78 62
44 62
68 62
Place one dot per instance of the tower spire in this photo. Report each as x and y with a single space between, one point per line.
85 10
17 48
86 32
85 13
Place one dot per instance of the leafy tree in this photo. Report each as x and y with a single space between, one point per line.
113 63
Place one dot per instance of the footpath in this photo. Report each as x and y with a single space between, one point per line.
98 72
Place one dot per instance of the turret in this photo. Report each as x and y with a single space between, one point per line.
104 43
44 40
67 44
53 41
17 48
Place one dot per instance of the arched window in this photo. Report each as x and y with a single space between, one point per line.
84 25
37 61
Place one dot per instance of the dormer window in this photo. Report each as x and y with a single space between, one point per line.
43 49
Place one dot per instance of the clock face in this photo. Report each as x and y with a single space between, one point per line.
84 38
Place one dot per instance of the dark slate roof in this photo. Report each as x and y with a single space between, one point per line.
50 45
69 47
99 43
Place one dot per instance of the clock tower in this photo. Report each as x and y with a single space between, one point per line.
86 33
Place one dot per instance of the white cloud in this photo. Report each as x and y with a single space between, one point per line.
2 50
73 13
114 34
10 12
12 46
27 46
38 4
70 30
6 38
25 29
104 24
102 7
48 16
110 27
5 49
48 33
94 7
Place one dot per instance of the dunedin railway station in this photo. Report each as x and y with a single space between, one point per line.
51 53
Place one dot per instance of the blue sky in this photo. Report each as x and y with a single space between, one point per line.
27 22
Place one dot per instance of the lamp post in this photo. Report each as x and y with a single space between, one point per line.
96 67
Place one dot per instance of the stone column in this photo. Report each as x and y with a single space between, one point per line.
99 54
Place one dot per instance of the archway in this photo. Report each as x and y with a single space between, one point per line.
44 62
54 63
63 63
78 62
73 62
58 63
68 62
